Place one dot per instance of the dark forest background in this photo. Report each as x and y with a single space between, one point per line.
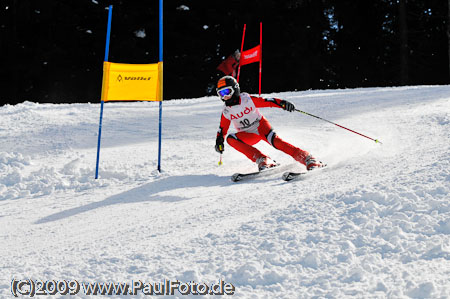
53 51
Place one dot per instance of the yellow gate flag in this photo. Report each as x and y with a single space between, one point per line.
132 82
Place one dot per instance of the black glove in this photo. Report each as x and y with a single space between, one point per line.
288 106
220 147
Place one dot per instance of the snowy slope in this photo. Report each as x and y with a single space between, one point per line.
374 224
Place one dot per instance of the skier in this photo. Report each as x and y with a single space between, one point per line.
242 110
228 67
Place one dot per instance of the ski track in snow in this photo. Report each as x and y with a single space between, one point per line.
374 224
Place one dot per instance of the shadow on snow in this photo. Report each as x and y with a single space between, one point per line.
145 193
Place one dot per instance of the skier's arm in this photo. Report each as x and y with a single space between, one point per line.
273 102
221 133
224 126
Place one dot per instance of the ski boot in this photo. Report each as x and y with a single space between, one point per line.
311 163
265 163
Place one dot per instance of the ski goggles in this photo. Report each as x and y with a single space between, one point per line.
226 91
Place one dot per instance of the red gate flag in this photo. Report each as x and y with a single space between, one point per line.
251 55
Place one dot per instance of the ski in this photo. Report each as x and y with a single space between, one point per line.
249 175
292 175
289 176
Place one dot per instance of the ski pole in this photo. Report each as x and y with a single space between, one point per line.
376 140
220 161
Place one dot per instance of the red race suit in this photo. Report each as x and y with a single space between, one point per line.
253 127
229 66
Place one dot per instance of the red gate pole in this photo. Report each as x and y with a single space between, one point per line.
242 48
260 57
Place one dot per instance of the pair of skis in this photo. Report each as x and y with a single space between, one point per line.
287 176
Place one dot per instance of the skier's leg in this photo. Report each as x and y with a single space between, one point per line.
243 141
265 129
298 154
295 152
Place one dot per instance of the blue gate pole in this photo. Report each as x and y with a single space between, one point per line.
160 59
108 35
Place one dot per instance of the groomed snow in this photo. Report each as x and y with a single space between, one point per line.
374 224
